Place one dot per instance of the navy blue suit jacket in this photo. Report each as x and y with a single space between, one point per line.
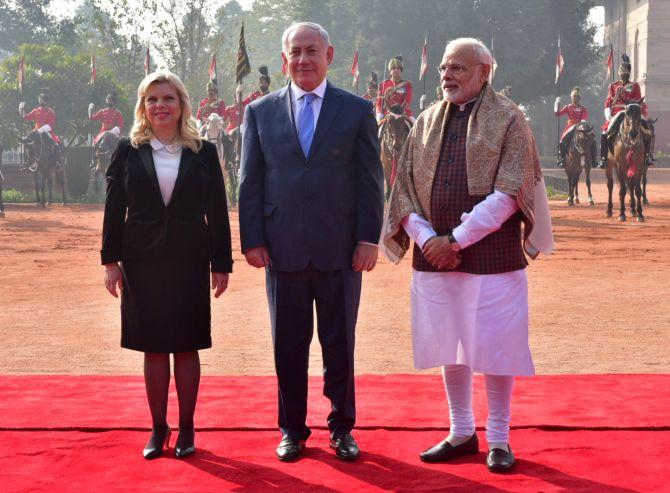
316 208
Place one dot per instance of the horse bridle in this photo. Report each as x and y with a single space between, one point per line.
627 141
390 148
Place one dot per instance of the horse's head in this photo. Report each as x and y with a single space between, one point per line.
396 130
32 143
633 117
583 137
213 126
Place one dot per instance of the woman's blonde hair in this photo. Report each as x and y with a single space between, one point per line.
141 132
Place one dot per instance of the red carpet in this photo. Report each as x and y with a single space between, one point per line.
384 401
599 433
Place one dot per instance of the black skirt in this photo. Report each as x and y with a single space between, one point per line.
165 306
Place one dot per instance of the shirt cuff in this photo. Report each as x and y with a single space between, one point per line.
368 243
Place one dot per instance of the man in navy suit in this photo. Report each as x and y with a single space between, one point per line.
311 207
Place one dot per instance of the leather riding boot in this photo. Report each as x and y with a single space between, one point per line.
603 151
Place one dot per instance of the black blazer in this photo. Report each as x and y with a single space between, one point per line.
310 208
193 226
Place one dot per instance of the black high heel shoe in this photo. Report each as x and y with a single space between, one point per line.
156 444
185 446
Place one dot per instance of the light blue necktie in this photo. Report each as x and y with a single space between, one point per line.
306 123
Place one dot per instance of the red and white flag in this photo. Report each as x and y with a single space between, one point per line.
355 73
212 68
424 59
21 73
94 72
559 61
147 63
610 62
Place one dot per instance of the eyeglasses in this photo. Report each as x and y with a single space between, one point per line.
454 68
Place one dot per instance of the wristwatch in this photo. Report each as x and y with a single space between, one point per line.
454 244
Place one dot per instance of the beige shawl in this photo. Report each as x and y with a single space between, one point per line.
500 154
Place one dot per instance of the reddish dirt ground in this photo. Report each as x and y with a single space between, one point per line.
599 304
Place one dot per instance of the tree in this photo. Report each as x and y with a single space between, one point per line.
27 21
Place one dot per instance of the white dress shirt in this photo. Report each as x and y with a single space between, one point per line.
297 93
166 163
485 218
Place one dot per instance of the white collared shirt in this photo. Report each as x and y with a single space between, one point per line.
166 163
296 93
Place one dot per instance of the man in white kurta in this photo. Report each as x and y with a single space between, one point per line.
468 178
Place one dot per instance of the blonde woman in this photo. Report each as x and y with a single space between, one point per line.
165 226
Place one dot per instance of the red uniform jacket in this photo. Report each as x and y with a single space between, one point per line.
110 118
232 114
619 95
43 115
208 106
253 96
576 113
402 95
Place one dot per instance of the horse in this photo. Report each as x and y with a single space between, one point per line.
2 180
213 130
45 158
104 148
580 155
652 142
626 157
393 132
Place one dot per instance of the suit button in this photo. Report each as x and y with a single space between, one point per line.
450 160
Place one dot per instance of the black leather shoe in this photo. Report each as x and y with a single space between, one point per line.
185 445
345 447
160 438
445 451
289 448
500 460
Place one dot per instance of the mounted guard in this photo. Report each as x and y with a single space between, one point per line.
576 113
620 94
395 91
372 88
263 86
210 104
111 118
43 116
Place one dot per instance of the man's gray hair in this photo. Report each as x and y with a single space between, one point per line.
325 38
483 53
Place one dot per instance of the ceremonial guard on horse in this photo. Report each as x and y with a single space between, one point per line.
576 113
395 91
210 104
44 149
263 86
43 116
373 88
111 118
620 94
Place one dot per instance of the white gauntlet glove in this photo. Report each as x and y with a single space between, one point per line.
22 108
422 102
90 109
557 103
608 113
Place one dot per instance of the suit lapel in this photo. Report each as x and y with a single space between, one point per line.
185 164
148 162
284 102
332 100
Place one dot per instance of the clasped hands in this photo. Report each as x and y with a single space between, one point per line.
439 252
114 280
365 257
